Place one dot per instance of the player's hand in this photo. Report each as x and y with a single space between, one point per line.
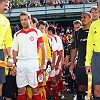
42 68
62 63
56 67
10 61
72 65
88 69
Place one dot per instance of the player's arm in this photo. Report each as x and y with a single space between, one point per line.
89 50
40 42
43 54
53 58
73 55
62 58
9 51
60 52
54 53
15 48
59 58
8 45
10 61
15 54
74 50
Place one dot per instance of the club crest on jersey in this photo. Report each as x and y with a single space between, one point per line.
40 78
31 38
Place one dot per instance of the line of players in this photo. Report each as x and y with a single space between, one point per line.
31 45
54 58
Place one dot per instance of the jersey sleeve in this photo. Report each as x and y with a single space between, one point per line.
15 43
60 45
40 37
54 45
8 37
89 48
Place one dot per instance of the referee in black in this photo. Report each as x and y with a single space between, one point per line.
79 44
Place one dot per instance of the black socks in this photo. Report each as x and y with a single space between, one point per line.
1 97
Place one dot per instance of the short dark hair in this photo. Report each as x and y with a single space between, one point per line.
52 28
34 20
26 13
88 13
93 8
77 22
41 22
46 23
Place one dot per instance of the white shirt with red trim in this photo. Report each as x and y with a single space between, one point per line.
26 43
59 43
53 43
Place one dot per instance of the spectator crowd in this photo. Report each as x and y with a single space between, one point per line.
50 3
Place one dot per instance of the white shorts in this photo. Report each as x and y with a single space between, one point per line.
27 73
58 71
53 73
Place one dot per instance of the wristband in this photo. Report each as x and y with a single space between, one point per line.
9 57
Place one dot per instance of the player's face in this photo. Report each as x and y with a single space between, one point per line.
95 14
4 6
25 21
50 32
77 27
42 28
85 19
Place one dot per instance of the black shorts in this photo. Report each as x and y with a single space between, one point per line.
81 76
10 89
2 70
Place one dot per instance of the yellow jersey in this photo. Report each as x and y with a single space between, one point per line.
47 47
93 41
5 33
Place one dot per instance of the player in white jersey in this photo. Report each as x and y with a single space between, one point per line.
58 66
56 44
53 46
25 47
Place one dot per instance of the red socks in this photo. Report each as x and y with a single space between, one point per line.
55 91
61 86
38 96
21 97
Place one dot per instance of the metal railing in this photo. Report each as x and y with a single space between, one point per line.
45 10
